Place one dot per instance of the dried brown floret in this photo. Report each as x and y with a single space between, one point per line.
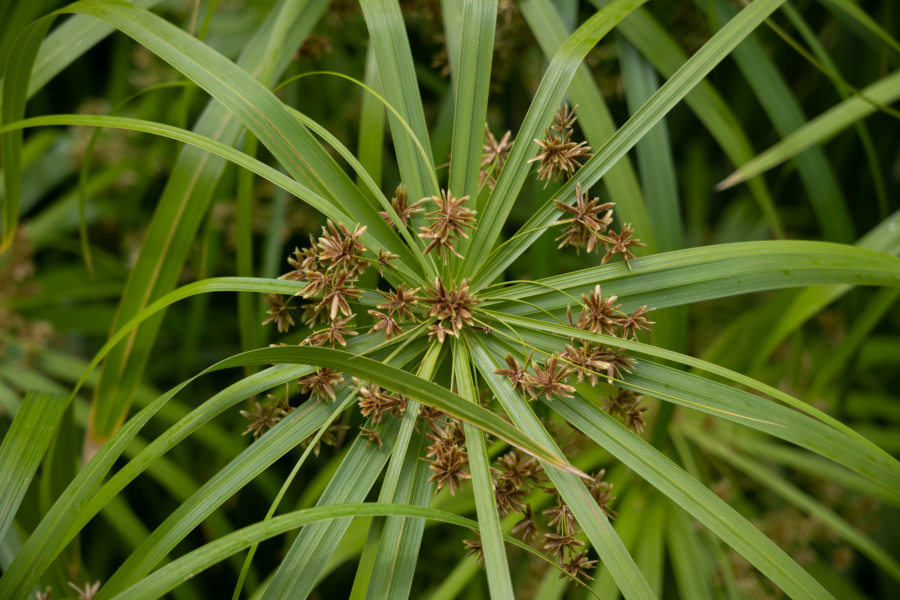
518 470
518 376
263 418
384 260
508 497
404 210
599 315
578 566
386 323
315 282
400 301
601 491
561 517
620 243
332 436
320 385
618 362
559 545
374 403
88 592
340 248
475 549
617 404
586 223
337 331
564 118
634 418
550 379
635 322
559 155
448 465
585 361
338 294
493 157
452 306
371 436
278 312
447 224
527 527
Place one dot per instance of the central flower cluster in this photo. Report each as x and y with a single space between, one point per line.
452 306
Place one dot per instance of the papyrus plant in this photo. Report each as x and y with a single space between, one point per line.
463 380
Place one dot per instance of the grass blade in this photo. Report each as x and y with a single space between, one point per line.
473 84
778 101
657 45
183 568
495 561
699 274
387 35
820 129
791 494
24 445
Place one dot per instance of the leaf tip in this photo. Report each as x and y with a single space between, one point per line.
729 181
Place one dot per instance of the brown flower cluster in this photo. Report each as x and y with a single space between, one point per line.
400 204
398 307
447 452
585 360
333 436
559 155
626 404
587 226
447 223
451 305
375 402
267 414
493 156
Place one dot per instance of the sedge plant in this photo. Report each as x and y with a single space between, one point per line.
548 427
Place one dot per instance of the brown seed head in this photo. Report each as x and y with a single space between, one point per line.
447 224
452 306
404 210
620 243
278 312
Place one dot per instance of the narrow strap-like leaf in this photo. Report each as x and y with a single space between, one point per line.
472 86
387 35
496 563
23 448
820 129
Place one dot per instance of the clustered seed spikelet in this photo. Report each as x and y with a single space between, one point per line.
401 206
559 155
448 459
267 414
493 157
586 360
452 306
448 223
588 228
589 220
375 402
